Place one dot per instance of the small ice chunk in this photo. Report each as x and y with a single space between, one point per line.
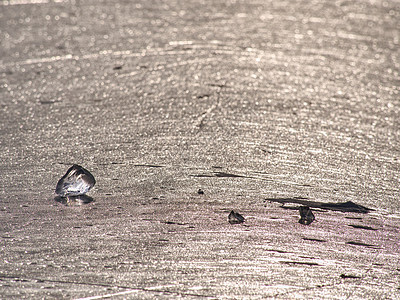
235 218
77 181
306 215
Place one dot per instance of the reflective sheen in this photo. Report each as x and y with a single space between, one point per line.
77 181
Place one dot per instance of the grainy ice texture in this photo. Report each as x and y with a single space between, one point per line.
249 102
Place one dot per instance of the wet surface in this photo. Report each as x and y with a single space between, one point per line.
296 102
74 200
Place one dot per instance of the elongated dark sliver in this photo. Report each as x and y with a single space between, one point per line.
363 227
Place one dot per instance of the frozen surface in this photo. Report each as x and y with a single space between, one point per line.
245 100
